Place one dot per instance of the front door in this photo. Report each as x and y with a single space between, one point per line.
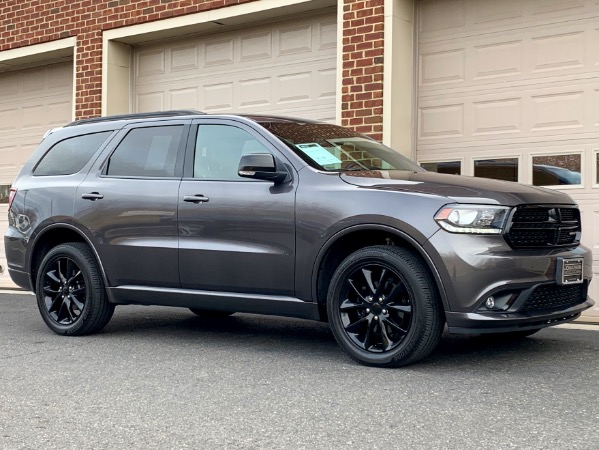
235 234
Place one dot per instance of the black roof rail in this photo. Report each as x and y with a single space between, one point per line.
144 115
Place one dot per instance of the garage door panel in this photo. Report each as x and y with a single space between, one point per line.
558 110
151 101
31 101
513 57
439 20
218 53
9 119
285 68
256 46
184 58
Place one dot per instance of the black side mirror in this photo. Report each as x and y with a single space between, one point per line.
260 166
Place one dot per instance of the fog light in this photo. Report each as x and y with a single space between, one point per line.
490 303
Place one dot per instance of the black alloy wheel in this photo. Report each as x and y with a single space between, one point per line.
383 307
64 290
70 291
377 308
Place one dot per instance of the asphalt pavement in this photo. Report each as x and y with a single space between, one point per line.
163 378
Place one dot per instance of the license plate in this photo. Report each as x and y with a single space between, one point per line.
569 271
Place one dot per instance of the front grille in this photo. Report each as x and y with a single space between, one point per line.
544 226
550 296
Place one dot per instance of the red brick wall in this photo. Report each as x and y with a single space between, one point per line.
27 22
362 90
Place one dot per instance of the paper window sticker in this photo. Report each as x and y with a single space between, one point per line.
319 154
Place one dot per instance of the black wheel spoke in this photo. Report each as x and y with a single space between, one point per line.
381 285
72 279
357 291
64 290
394 326
357 326
62 311
385 341
53 277
368 277
377 308
397 290
77 303
348 304
369 334
401 308
56 304
69 271
50 291
60 269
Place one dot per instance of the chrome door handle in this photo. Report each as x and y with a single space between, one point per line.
195 199
93 196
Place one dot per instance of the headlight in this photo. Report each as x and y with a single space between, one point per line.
478 219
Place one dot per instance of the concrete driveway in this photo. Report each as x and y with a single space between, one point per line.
163 378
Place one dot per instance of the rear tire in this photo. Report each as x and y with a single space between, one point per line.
383 307
70 291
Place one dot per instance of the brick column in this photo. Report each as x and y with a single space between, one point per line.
88 73
362 47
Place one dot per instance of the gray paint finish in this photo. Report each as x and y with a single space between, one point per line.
271 241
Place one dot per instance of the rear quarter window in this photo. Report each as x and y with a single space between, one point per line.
70 155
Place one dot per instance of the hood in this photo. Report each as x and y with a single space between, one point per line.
458 188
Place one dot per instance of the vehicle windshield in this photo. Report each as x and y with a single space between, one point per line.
333 148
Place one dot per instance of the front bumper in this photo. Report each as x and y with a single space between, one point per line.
473 267
479 323
523 284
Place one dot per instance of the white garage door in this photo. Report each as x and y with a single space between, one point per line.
31 102
511 89
283 68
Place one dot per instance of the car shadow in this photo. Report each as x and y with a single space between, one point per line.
315 339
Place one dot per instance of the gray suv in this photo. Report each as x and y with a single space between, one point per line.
291 217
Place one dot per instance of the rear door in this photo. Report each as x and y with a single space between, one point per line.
235 234
128 204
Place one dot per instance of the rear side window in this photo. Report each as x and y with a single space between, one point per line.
147 152
70 155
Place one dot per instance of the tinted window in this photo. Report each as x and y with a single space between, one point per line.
219 149
147 152
334 148
498 169
552 170
70 155
450 167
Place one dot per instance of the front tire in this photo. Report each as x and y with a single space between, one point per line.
70 291
383 307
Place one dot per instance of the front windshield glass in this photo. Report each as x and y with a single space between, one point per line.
333 148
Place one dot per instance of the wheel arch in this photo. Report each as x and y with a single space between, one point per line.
50 237
350 239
